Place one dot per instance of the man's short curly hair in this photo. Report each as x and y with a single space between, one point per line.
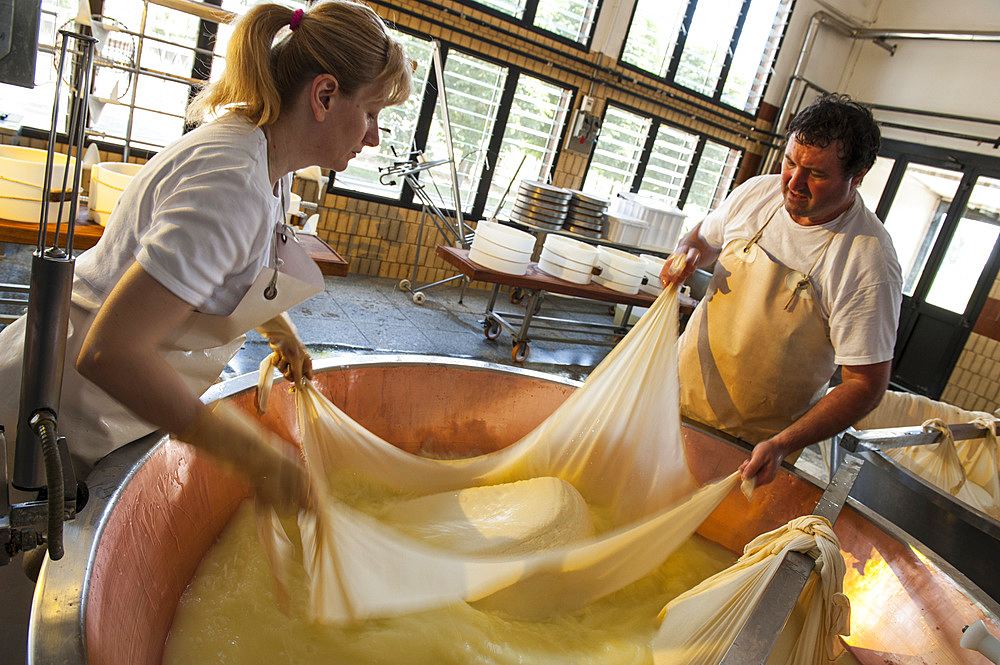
837 119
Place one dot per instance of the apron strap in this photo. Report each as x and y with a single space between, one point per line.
805 282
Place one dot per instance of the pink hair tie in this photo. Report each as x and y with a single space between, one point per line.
296 18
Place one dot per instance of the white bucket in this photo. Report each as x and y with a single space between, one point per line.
627 288
562 272
663 221
625 230
107 182
22 175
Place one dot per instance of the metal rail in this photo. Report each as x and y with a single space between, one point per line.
757 637
966 538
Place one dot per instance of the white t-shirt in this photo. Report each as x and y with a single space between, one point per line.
857 281
199 218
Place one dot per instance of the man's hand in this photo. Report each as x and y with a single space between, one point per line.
680 266
764 462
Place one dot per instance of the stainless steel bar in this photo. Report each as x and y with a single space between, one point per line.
199 9
135 83
904 437
967 539
756 640
757 637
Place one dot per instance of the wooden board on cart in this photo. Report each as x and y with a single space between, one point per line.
535 279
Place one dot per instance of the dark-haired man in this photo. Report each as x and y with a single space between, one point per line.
806 280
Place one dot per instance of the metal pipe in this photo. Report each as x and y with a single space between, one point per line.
877 36
135 83
818 20
939 35
45 427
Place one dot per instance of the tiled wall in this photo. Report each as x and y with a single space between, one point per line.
974 384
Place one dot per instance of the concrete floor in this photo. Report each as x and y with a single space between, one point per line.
364 315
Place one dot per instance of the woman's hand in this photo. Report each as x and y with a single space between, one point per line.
293 359
273 466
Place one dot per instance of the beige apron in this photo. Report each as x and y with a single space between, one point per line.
756 353
95 424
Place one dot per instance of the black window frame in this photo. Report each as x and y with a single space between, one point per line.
647 149
429 105
527 22
675 57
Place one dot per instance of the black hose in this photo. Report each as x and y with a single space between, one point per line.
46 430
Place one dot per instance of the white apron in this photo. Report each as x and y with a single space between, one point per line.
93 422
756 353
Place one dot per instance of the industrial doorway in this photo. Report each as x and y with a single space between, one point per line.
943 213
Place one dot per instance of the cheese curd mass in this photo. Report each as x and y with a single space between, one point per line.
229 614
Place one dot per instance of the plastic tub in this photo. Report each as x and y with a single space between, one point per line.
622 261
625 230
22 175
107 182
505 236
663 221
498 264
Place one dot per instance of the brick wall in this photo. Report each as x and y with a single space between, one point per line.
974 384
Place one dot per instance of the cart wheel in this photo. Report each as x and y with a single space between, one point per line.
520 352
404 284
491 329
419 298
516 294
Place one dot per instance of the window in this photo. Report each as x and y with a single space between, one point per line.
722 49
505 126
638 154
143 72
617 153
873 184
969 248
32 107
667 170
918 209
473 88
712 180
570 19
530 139
399 124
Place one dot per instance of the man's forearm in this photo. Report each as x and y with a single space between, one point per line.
859 393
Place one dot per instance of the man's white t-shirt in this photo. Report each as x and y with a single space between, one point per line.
199 218
857 280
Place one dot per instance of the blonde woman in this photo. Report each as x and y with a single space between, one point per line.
189 259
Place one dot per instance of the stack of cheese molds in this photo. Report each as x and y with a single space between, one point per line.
567 259
502 248
619 271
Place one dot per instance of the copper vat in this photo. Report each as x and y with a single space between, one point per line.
156 507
